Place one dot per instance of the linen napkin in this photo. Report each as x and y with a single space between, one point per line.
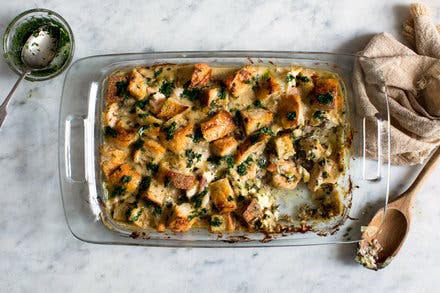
413 86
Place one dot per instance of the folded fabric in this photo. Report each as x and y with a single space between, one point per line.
412 84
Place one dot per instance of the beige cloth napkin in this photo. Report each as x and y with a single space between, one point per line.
412 84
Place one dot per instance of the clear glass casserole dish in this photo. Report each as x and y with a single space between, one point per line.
80 138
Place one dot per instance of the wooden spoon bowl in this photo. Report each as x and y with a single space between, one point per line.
384 237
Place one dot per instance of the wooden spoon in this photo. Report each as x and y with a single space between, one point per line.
383 238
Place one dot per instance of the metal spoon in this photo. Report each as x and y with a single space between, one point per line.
383 238
38 51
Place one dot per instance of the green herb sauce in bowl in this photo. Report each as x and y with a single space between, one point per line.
23 26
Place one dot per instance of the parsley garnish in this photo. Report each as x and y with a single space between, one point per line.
290 77
197 199
257 103
265 75
145 183
193 94
221 93
191 156
170 130
167 181
138 144
216 222
167 88
152 167
325 98
141 104
110 132
125 179
262 162
117 191
198 135
121 89
318 114
135 218
291 116
241 169
157 72
303 78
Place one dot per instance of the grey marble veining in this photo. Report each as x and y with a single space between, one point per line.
38 253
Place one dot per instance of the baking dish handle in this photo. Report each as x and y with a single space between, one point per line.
382 145
74 148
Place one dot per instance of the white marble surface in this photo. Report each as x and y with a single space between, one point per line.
38 253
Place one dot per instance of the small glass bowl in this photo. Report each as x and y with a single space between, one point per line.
19 30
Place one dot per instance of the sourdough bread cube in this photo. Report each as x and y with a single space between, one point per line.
224 146
137 85
254 119
170 108
222 195
180 219
201 75
152 151
220 125
284 146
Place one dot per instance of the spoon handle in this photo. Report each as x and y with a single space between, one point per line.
3 112
423 175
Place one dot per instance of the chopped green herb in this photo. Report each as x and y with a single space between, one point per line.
193 94
153 167
138 144
142 129
167 88
141 104
125 179
318 114
230 198
257 103
121 89
221 93
265 76
229 161
157 210
143 115
291 116
216 222
170 130
241 169
325 98
108 131
197 199
258 223
157 72
198 135
240 197
302 78
325 175
262 162
119 190
145 183
137 216
290 77
267 130
167 181
191 156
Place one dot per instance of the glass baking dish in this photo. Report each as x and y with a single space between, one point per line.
80 137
